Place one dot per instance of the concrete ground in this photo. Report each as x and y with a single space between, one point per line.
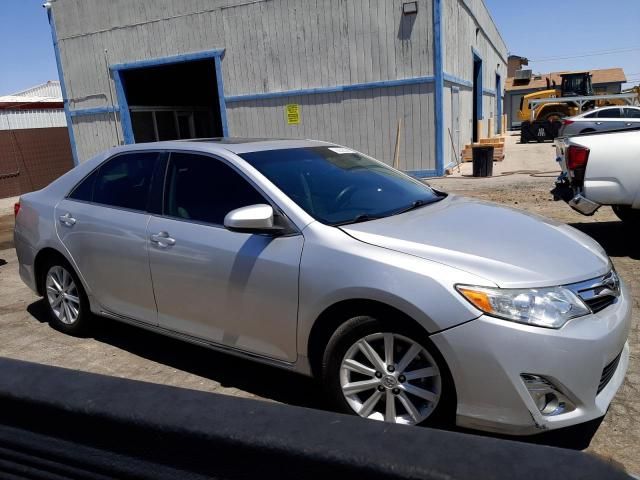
120 350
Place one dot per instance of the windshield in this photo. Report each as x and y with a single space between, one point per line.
336 185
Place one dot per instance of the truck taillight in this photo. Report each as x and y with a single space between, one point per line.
567 122
577 157
16 209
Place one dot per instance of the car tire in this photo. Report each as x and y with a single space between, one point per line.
66 300
627 214
427 398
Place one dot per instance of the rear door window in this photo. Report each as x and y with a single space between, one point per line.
632 113
609 113
203 189
123 181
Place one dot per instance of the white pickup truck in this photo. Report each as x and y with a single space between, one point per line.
600 168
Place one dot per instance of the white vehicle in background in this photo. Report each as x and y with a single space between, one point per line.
601 168
600 120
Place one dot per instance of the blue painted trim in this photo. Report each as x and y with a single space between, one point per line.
125 116
93 111
488 91
221 99
438 68
335 89
425 173
154 62
65 99
457 81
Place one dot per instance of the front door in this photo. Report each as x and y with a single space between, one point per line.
103 225
235 289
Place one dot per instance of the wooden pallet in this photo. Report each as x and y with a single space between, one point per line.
498 149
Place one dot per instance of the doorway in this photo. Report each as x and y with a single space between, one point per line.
498 103
171 100
455 122
477 94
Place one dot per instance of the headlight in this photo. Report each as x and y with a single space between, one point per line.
543 307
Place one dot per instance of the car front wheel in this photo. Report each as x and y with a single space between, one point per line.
66 299
381 371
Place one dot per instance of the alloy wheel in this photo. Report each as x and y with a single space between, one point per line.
62 295
389 377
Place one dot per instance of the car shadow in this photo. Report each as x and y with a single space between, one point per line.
263 380
617 238
577 437
229 371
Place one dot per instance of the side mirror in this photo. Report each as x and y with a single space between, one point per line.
252 219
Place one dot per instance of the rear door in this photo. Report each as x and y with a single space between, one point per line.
103 225
609 118
631 117
235 289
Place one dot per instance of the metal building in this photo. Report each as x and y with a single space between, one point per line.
34 144
354 72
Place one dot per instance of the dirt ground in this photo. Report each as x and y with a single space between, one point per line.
120 350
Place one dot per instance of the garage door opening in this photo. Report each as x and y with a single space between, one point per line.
477 95
174 101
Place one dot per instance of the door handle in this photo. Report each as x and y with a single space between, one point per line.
162 240
629 124
67 220
598 123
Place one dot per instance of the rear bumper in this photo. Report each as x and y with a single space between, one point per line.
564 191
487 356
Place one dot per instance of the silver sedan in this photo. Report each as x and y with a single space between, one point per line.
412 306
600 120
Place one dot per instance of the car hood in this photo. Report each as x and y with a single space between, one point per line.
505 246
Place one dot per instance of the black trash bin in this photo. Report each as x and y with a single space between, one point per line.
482 161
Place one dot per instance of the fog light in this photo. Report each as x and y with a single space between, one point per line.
548 398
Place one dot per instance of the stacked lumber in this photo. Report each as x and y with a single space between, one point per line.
496 142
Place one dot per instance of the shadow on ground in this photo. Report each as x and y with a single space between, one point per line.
262 380
230 371
617 238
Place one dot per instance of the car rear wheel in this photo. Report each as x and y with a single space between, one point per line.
66 299
626 213
382 371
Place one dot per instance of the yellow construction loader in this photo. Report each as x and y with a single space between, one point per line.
545 121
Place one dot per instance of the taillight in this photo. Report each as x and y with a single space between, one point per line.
577 157
16 209
567 122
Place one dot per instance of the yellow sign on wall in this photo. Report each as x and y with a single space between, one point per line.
292 112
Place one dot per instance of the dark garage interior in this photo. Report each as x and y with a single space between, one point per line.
171 102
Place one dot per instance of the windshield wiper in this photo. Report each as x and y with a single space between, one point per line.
363 217
415 205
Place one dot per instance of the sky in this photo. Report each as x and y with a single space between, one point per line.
554 28
571 28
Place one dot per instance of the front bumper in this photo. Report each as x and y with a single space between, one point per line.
486 357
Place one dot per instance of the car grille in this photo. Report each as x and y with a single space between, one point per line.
608 372
600 303
598 293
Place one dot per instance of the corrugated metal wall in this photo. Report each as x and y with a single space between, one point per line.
270 46
465 33
19 119
49 89
282 45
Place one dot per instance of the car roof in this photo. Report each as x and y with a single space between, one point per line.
236 145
